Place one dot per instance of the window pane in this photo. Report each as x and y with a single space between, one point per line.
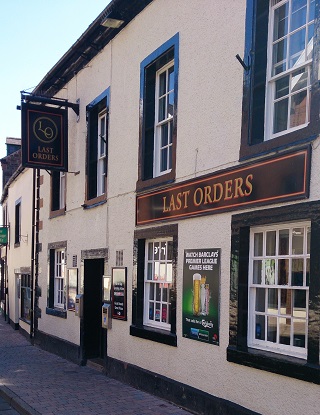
260 327
151 311
258 244
297 272
299 80
273 301
284 330
284 242
156 250
299 14
297 241
162 109
162 84
286 302
260 299
157 315
299 333
163 251
283 271
170 105
164 313
298 110
156 270
299 304
279 56
162 271
164 135
270 272
280 116
169 272
151 291
282 87
257 272
272 329
271 243
149 272
297 47
164 159
312 10
171 78
158 292
150 250
281 21
165 294
308 272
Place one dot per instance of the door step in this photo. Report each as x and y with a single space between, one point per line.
97 364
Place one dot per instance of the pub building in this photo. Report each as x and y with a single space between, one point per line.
178 237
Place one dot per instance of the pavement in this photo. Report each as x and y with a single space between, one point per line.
36 382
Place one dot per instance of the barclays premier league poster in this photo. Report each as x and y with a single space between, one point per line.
200 312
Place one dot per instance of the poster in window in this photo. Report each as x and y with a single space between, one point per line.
119 293
72 285
201 285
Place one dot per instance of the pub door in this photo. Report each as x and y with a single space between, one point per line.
94 334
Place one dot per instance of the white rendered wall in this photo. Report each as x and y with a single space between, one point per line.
210 80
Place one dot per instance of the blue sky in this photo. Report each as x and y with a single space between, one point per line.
34 34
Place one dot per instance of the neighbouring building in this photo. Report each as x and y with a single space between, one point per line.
190 211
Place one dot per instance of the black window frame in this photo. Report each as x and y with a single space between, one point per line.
17 223
102 102
55 209
137 327
148 68
254 86
238 350
25 291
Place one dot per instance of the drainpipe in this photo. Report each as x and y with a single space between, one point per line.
33 252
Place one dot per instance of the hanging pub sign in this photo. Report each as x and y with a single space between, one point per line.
270 180
3 235
200 309
44 137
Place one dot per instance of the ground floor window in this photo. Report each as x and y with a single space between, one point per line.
279 271
154 293
57 259
275 290
158 282
25 297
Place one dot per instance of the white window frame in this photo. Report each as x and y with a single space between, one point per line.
303 63
168 120
102 152
163 283
264 344
59 278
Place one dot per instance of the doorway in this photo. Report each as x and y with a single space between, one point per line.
94 334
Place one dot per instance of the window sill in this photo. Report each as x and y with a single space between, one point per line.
276 144
156 335
155 181
275 363
56 312
16 244
96 201
56 213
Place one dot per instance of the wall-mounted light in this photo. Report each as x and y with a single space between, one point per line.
112 23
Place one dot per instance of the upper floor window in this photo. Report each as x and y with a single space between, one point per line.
158 135
97 146
58 191
164 120
17 225
290 47
281 87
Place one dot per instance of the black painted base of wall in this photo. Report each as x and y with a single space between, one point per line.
14 325
62 348
185 396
